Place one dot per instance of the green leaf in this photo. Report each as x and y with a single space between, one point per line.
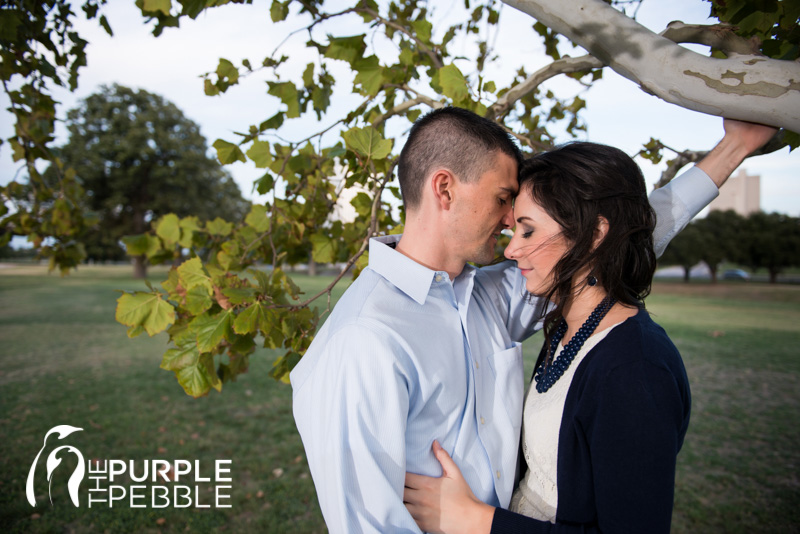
153 6
192 274
489 87
369 74
362 203
258 218
211 329
260 154
144 244
287 93
228 152
322 248
264 184
308 75
148 310
407 57
252 319
219 227
198 300
168 229
240 295
367 142
347 49
228 74
195 372
423 30
189 225
454 85
278 11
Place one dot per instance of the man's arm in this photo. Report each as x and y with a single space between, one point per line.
683 198
351 411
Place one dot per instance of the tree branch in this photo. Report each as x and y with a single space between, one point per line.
718 36
745 87
561 66
437 61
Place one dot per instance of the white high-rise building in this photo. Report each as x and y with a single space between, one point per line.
741 193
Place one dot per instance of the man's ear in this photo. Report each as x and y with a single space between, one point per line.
600 231
443 185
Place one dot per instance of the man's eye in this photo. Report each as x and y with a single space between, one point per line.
502 201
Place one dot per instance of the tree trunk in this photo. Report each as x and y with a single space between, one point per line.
686 274
139 262
746 87
139 267
312 266
773 276
713 271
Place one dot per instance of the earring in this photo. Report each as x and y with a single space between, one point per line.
592 281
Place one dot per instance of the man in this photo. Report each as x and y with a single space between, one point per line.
424 346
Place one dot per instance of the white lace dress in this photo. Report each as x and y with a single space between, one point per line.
537 493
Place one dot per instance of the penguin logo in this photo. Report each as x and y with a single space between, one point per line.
54 461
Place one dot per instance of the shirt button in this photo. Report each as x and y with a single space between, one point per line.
483 422
438 277
498 475
477 366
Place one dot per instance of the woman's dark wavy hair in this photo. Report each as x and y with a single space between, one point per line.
575 184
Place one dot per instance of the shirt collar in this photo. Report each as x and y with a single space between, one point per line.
407 275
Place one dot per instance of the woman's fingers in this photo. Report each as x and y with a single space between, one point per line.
449 467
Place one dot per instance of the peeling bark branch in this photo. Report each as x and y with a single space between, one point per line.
718 36
561 66
745 87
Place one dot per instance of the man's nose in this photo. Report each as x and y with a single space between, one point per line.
508 219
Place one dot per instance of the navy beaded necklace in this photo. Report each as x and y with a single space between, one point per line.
548 374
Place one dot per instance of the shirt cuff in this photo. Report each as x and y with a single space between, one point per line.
696 189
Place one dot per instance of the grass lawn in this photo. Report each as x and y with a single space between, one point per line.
64 360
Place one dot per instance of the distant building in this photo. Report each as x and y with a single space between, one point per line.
741 193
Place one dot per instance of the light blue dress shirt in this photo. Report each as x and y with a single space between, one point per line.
408 356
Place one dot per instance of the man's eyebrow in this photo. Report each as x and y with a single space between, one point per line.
510 190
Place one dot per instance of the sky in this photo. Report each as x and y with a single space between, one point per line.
618 112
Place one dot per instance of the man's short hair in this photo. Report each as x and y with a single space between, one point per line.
455 139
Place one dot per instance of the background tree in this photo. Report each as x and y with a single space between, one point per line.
685 250
719 231
138 157
770 241
398 66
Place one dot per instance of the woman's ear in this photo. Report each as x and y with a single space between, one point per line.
600 231
443 187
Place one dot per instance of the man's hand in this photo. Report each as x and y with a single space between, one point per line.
741 139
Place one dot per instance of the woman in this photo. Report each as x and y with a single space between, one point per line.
608 408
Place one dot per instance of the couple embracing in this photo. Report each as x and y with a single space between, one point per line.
411 400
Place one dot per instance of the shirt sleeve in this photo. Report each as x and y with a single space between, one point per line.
351 412
521 311
679 202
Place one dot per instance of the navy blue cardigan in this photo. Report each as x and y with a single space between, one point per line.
625 417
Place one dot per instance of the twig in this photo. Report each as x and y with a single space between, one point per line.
564 65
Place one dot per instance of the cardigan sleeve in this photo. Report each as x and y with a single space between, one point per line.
634 426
